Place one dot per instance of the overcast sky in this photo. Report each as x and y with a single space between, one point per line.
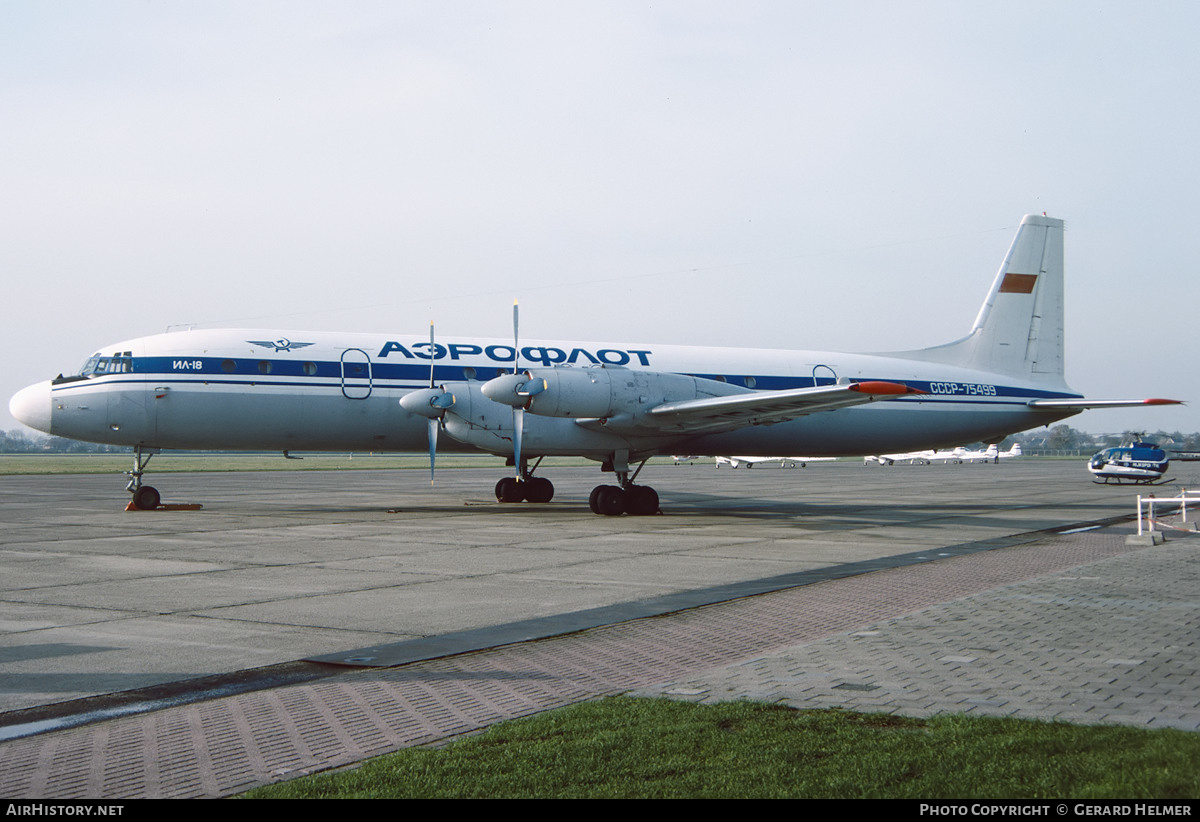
843 176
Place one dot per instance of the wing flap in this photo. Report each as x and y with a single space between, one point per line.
766 407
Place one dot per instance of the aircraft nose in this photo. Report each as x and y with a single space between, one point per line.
32 406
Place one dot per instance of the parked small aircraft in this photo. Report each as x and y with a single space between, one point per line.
784 462
992 453
618 404
911 457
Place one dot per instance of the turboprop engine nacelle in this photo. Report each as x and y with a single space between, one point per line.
428 402
591 393
477 420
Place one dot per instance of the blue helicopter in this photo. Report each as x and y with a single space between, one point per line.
1142 463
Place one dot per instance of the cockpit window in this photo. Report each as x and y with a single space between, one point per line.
98 366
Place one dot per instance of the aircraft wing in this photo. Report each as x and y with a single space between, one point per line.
1083 405
766 407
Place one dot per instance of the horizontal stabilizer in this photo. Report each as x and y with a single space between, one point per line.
1083 405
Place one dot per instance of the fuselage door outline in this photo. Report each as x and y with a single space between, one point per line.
824 375
356 374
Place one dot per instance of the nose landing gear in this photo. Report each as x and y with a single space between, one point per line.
145 497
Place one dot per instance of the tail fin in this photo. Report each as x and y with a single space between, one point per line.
1019 330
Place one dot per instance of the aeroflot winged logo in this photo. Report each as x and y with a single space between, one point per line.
530 354
280 344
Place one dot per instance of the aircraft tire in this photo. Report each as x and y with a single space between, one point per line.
509 490
539 489
608 500
146 498
641 500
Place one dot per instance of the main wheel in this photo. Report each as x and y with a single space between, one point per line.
539 489
146 498
509 490
641 500
608 500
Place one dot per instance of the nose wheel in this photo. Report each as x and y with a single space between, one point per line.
145 497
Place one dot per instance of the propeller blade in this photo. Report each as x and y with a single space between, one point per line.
433 434
516 337
432 352
431 403
518 412
518 436
434 403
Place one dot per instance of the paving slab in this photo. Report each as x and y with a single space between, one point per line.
329 563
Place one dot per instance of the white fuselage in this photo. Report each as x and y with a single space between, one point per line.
238 389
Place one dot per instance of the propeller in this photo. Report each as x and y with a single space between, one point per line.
432 402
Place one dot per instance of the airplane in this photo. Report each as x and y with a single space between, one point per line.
926 457
1013 451
958 455
784 462
618 404
1142 463
911 457
989 454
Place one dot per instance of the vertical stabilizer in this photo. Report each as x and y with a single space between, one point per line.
1019 329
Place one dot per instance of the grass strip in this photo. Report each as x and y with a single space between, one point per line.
626 747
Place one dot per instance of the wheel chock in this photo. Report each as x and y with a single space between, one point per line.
191 506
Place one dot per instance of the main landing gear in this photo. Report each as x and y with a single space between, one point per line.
609 500
613 500
526 489
624 498
145 497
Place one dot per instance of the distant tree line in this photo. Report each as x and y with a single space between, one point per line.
1065 438
19 442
